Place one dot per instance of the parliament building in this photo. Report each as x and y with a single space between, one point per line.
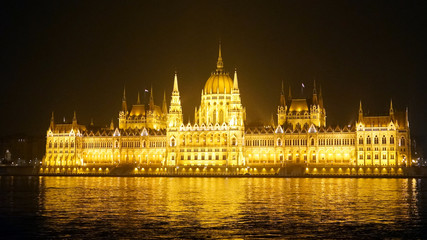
152 139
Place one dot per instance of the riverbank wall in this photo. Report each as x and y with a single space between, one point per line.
200 171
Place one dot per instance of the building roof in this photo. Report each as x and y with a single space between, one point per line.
298 105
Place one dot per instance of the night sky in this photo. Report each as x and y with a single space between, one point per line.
63 56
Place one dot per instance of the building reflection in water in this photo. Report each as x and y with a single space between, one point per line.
218 207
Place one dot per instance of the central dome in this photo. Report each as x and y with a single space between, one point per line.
219 82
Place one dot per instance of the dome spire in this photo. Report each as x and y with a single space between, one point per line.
219 64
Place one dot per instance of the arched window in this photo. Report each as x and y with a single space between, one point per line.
360 140
376 140
233 141
143 144
384 140
72 144
50 144
66 144
279 142
402 141
60 144
172 142
214 116
368 140
391 139
312 142
221 116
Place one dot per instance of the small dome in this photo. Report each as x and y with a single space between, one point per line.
218 82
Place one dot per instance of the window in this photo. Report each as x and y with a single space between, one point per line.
384 140
376 156
312 142
391 139
368 140
369 157
376 140
279 142
188 157
50 144
173 143
360 140
182 157
224 157
361 156
402 141
233 142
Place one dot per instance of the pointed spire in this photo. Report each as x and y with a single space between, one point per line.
272 121
138 100
75 118
219 64
235 83
282 96
164 105
290 94
175 83
360 112
391 109
151 104
52 121
320 97
124 104
315 102
314 87
91 122
407 116
112 125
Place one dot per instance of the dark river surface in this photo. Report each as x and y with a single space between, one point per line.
199 208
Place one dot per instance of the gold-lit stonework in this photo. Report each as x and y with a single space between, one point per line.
155 140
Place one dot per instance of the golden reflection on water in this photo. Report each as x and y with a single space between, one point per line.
218 207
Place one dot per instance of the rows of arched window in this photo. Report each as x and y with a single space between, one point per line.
202 139
61 144
376 140
103 144
261 142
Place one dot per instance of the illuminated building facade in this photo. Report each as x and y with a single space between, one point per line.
153 139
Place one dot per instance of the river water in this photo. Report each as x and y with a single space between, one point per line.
247 208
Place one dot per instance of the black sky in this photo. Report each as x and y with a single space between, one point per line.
68 55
